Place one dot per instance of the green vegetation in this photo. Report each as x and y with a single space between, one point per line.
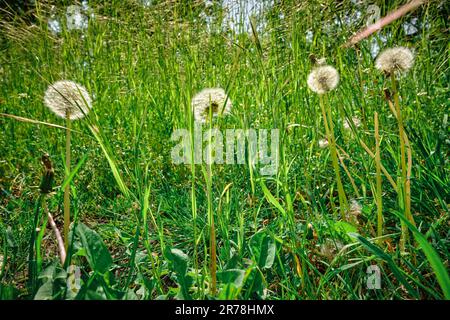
146 228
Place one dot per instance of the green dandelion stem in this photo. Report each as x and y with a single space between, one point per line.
67 188
328 122
401 185
379 199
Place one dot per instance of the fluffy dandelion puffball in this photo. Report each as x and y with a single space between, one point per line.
398 59
210 101
323 79
68 99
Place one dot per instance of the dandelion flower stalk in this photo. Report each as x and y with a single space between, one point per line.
67 188
70 101
212 245
212 229
394 61
379 199
322 80
328 122
401 186
209 103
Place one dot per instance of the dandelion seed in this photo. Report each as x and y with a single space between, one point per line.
374 43
374 47
210 100
321 61
356 122
355 207
323 79
23 95
323 143
76 20
398 59
86 9
358 2
354 211
309 36
68 98
330 248
54 26
373 14
146 3
410 27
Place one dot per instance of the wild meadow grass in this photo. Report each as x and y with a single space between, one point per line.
146 228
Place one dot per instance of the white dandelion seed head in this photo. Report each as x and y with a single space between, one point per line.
356 122
213 100
68 98
398 59
323 143
323 79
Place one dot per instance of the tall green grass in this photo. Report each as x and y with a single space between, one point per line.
150 220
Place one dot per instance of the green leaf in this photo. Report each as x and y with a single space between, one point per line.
111 160
179 261
232 276
432 256
382 255
45 292
271 198
54 283
10 238
72 174
345 227
96 252
263 248
8 292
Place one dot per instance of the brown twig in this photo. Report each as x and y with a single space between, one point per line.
59 239
412 5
